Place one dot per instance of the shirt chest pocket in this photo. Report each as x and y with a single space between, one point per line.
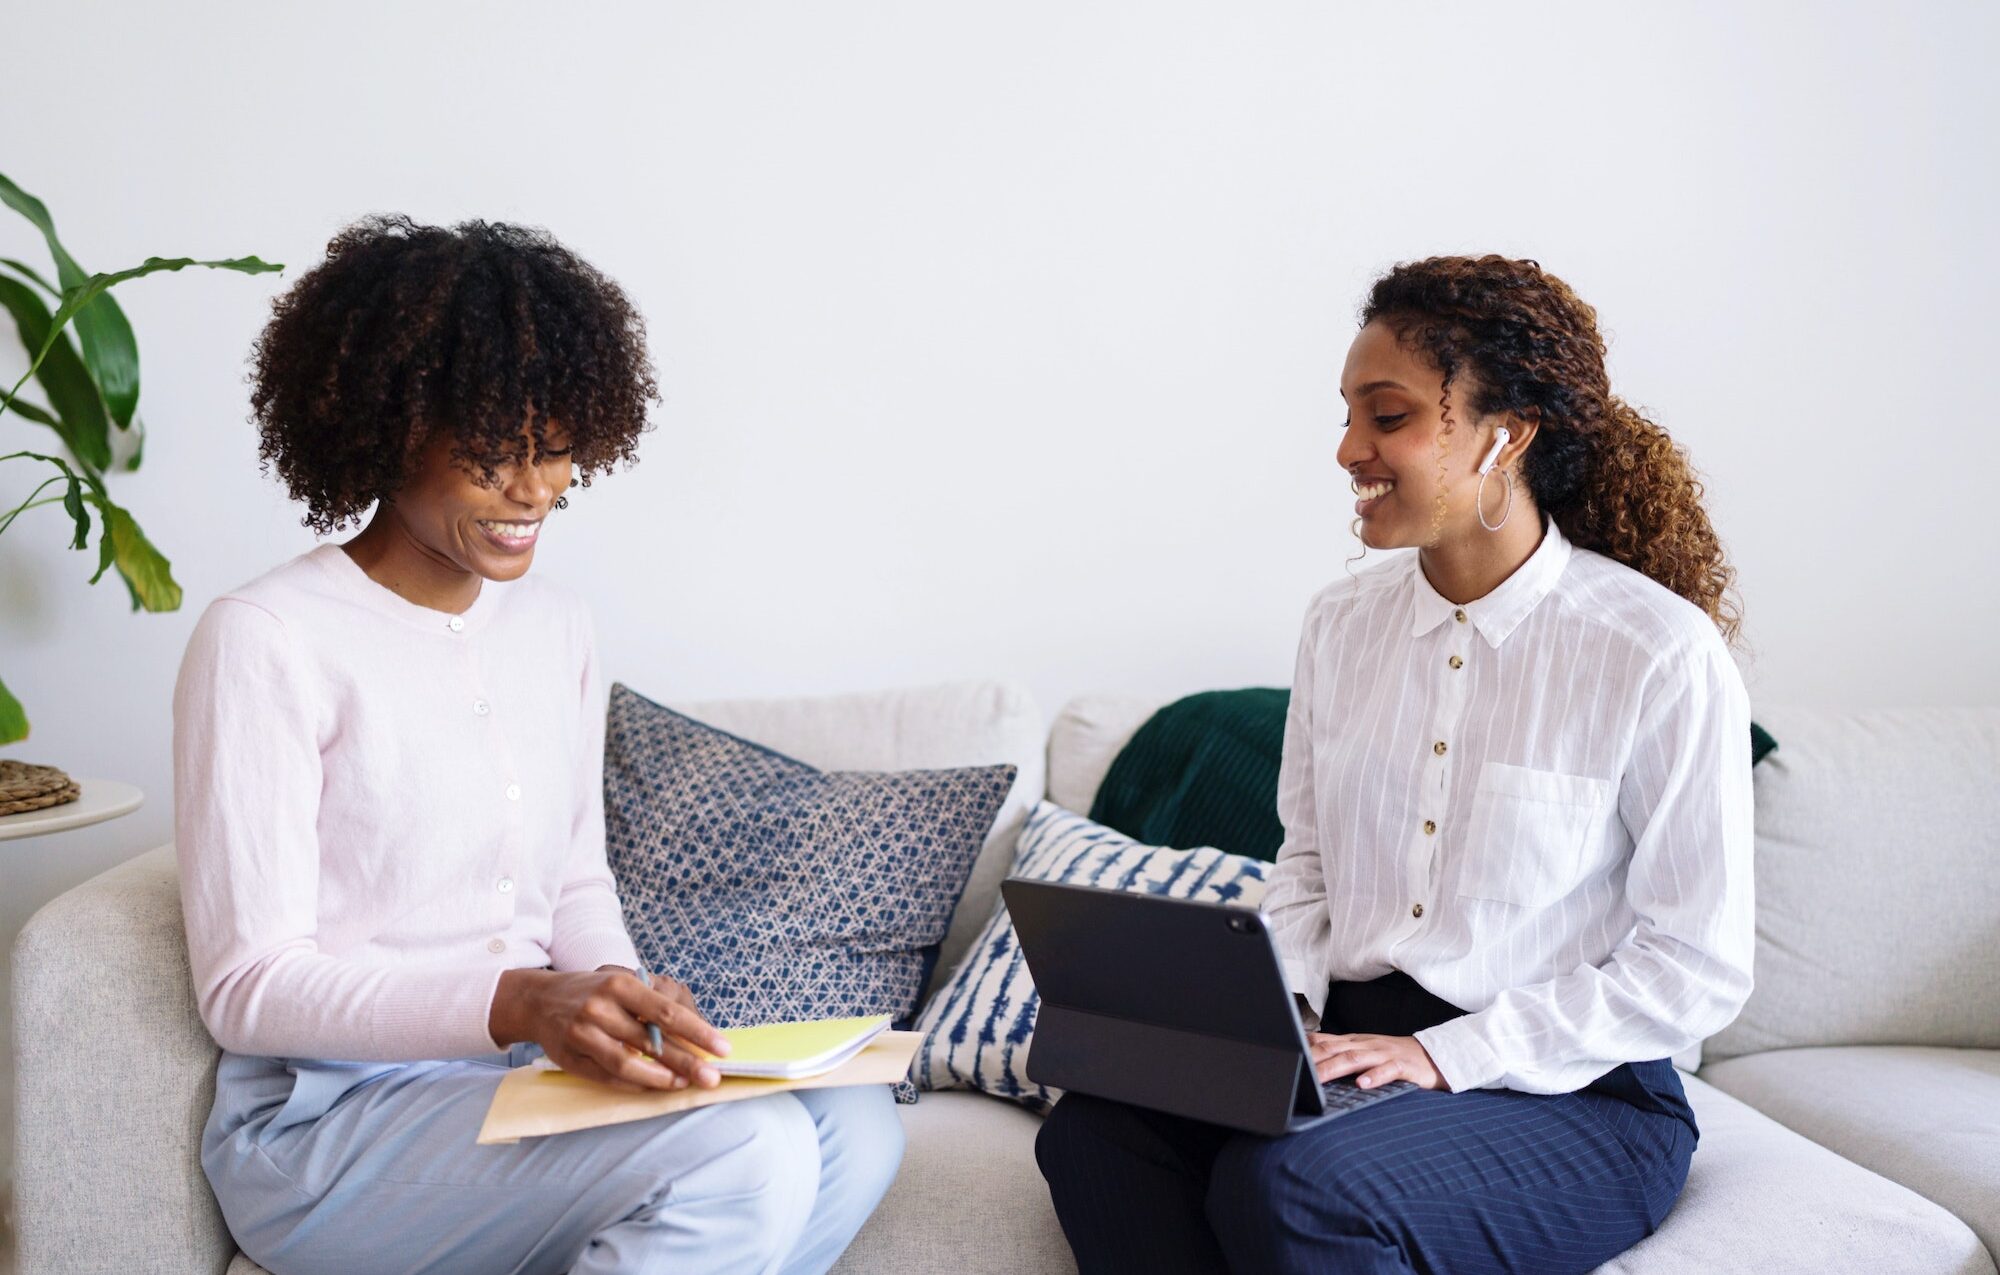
1526 833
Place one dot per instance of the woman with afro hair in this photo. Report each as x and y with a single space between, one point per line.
1515 878
388 760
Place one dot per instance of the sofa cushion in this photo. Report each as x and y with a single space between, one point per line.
1085 739
1928 1118
917 728
979 1027
1760 1197
968 1199
775 890
115 1074
1878 882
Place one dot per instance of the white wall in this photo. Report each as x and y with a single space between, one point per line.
1002 340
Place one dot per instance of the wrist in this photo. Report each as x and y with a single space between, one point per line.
1436 1070
511 1017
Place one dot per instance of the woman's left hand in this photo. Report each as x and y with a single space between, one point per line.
1379 1059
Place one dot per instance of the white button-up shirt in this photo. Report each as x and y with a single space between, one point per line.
1537 805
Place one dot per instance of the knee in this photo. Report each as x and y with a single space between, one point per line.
1263 1190
1076 1136
860 1139
767 1167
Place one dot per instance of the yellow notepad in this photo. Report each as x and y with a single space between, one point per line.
790 1051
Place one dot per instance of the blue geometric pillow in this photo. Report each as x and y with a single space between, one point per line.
979 1026
775 890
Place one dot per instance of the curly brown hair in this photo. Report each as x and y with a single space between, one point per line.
479 332
1610 479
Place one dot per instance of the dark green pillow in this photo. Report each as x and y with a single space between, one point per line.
1760 743
1203 771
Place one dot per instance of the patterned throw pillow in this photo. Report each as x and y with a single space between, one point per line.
775 890
978 1027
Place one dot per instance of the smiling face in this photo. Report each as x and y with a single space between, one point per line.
1390 446
459 521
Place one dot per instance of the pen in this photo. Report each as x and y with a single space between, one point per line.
652 1029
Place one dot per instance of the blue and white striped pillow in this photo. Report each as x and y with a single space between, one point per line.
978 1027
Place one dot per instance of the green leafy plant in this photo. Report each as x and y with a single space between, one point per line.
92 388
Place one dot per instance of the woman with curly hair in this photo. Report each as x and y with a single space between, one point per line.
389 817
1515 878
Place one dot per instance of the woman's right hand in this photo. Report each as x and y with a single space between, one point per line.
584 1021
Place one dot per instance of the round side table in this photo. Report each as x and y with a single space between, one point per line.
102 799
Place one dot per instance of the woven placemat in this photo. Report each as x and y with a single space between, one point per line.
24 787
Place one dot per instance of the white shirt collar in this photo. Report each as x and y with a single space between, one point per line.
1499 612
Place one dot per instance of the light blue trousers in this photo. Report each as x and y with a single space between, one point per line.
372 1167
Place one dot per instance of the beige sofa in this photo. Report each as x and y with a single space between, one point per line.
1850 1118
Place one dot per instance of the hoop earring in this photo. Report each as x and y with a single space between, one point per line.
1479 501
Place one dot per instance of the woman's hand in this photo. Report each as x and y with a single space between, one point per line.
591 1024
1379 1059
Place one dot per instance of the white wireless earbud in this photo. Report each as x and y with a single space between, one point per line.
1501 439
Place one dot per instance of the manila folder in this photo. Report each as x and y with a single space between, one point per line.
539 1098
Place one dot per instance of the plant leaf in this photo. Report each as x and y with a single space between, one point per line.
105 553
78 512
79 297
109 348
13 718
73 498
22 407
28 272
147 574
38 213
112 353
80 416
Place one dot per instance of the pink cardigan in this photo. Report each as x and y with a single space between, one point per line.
379 808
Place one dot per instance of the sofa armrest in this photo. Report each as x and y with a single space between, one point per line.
115 1073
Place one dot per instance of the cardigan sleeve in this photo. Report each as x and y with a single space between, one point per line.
247 779
1684 970
588 927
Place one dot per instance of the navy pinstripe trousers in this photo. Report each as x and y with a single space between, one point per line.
1486 1180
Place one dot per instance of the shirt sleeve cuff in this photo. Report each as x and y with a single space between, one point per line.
1461 1054
1302 981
